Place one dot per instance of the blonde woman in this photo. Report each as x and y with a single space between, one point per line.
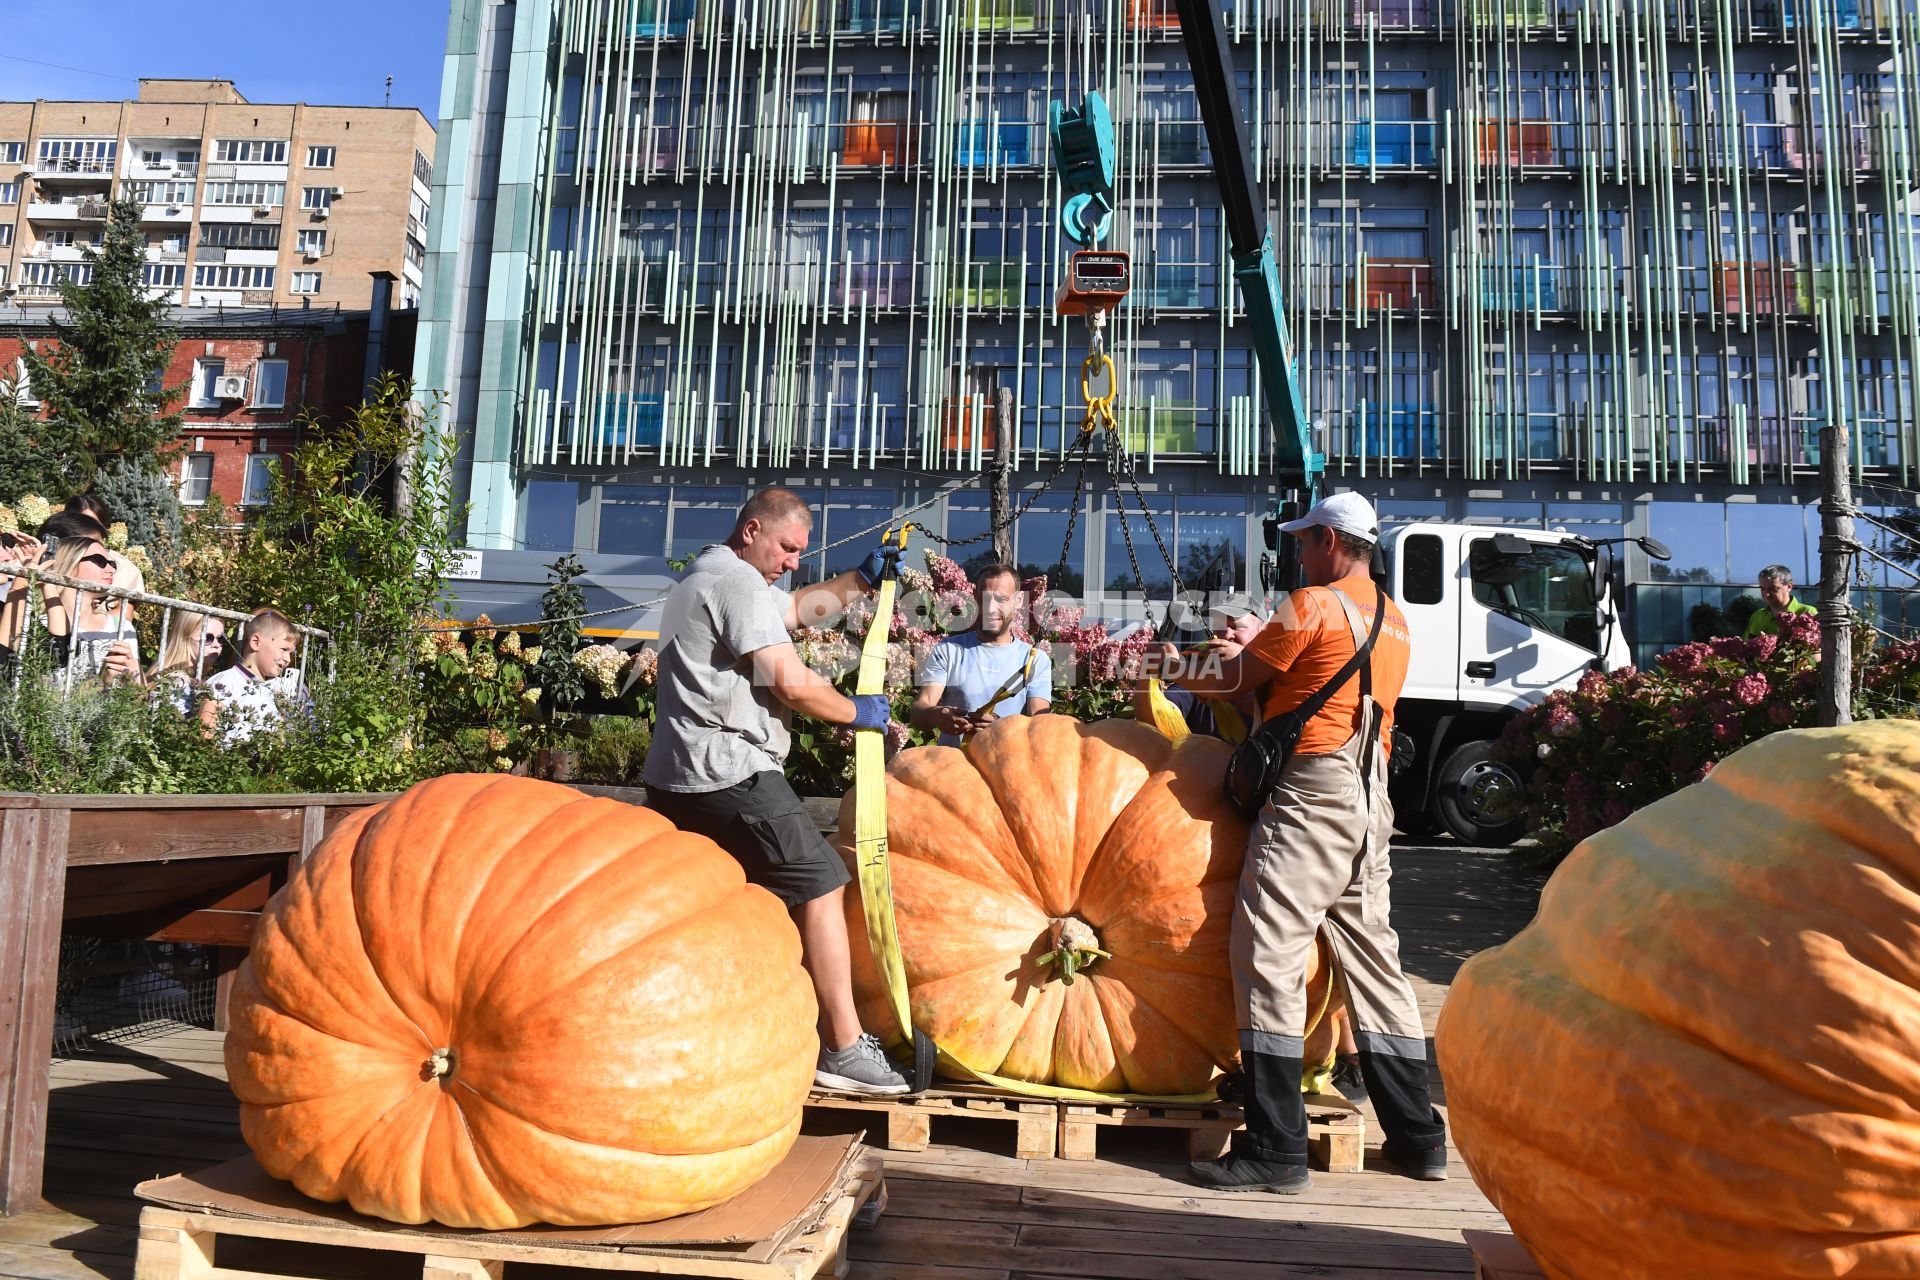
192 654
91 638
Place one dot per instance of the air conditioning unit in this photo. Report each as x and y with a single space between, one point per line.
311 255
173 208
262 211
322 214
230 386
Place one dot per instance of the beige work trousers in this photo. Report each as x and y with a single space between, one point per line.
1318 852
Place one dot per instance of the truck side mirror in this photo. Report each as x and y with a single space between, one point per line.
1655 548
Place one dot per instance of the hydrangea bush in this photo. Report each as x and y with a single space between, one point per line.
1620 741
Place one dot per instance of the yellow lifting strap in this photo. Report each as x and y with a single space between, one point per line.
876 877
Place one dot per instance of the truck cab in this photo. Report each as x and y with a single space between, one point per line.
1499 619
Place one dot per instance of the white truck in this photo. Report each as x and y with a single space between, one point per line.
1499 618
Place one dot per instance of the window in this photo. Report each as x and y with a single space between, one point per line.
306 282
268 194
550 511
633 520
319 157
316 197
311 241
240 235
9 193
699 512
23 386
205 374
1550 587
270 384
161 192
196 479
232 276
1422 569
152 159
12 152
78 155
6 234
249 151
163 275
57 239
257 488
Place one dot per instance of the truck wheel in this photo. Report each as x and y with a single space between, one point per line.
1479 799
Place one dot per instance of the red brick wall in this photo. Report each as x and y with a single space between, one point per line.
324 371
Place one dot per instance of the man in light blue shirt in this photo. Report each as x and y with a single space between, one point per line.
970 680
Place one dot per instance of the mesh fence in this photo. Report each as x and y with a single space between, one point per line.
113 992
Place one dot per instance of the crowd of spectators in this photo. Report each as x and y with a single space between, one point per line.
85 628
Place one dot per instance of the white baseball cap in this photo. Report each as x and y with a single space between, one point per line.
1346 512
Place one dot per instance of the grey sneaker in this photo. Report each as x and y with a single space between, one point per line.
861 1067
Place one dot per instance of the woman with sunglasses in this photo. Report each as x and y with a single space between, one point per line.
90 635
192 654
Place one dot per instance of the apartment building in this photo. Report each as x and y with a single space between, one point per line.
1603 267
245 204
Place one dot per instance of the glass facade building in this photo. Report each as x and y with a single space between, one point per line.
1602 265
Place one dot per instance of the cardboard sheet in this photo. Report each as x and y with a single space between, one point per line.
799 1188
1501 1256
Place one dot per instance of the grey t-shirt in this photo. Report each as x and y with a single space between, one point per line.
713 726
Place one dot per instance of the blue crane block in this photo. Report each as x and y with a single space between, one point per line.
1083 157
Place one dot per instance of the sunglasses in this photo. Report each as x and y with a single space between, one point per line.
98 562
210 640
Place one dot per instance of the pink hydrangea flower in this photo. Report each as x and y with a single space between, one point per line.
1761 647
1751 689
1561 722
1781 713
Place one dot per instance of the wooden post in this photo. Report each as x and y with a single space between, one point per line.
1835 699
999 503
33 845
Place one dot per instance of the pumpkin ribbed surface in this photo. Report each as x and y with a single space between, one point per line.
1702 1059
1043 827
494 1001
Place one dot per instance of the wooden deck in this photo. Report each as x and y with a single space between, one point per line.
967 1211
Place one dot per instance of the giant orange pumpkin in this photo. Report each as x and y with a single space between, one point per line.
1702 1059
495 1001
1043 827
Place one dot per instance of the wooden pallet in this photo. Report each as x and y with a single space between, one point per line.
1337 1132
1499 1256
910 1119
179 1245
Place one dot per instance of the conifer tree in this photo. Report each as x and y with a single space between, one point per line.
100 377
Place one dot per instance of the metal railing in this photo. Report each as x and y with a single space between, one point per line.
168 604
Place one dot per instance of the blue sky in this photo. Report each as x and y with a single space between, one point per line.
337 53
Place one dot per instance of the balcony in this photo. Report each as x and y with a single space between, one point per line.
1179 142
1518 143
76 168
988 284
883 285
1177 286
1520 287
1153 15
878 142
1391 144
67 211
1377 431
864 17
981 144
1000 15
625 420
1394 284
653 19
1406 15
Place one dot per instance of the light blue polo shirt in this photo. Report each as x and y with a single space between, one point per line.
973 672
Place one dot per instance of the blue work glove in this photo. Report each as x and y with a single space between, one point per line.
874 567
870 711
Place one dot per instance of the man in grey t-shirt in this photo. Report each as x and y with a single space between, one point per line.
729 681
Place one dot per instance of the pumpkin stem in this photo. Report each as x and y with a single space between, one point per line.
1075 946
440 1064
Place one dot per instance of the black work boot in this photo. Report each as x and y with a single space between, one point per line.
1416 1142
1233 1172
1272 1154
1425 1164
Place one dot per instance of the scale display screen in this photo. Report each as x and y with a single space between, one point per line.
1100 272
